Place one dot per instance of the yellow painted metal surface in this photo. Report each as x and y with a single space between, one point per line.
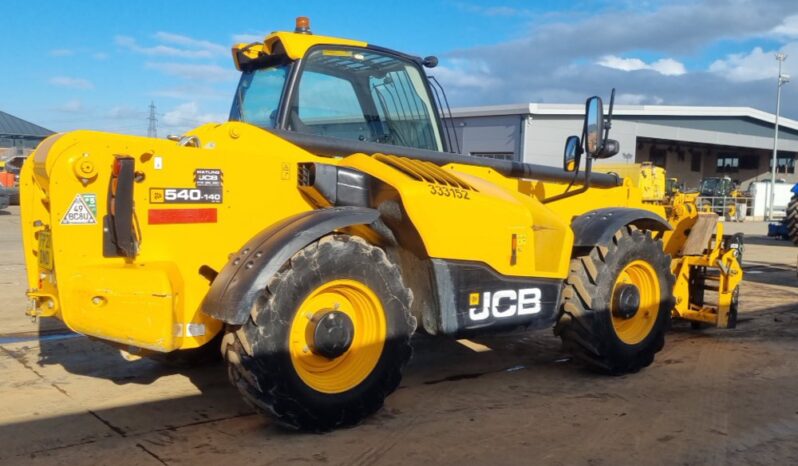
636 328
461 212
259 172
347 371
648 178
295 45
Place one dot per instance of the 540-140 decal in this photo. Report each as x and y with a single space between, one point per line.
199 195
207 189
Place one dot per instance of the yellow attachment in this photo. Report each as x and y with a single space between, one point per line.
729 276
649 178
345 372
295 45
642 275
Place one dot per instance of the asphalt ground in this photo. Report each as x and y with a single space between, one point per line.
711 397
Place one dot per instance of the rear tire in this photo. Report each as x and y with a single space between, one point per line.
617 343
280 373
791 219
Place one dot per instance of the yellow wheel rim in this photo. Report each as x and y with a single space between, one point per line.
346 371
634 329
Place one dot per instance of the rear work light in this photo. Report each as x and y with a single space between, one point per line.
120 238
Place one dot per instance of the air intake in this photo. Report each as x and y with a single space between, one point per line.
421 170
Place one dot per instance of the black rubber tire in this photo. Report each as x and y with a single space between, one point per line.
735 304
259 363
791 220
585 321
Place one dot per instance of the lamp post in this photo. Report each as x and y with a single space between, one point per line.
783 79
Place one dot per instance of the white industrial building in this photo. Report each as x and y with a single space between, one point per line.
689 142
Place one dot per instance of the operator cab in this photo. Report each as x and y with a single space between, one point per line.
336 88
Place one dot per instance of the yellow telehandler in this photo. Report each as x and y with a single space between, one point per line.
328 220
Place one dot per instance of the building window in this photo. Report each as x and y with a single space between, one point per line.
784 163
728 164
658 157
749 162
695 161
493 155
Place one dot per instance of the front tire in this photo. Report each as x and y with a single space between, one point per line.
287 361
617 303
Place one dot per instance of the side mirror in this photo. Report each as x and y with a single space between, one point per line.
594 126
572 154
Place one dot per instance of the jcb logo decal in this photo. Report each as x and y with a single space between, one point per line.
504 303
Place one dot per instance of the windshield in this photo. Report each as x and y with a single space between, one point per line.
258 96
709 186
347 93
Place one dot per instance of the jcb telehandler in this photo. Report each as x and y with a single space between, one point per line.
328 220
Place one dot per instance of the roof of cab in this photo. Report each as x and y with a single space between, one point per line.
294 44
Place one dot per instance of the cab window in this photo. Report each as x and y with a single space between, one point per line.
364 95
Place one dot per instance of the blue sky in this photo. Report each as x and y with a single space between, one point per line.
98 65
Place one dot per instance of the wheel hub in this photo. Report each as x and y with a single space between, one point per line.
626 301
331 333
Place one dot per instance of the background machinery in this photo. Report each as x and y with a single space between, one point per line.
329 219
707 263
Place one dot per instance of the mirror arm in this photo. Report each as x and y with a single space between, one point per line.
585 186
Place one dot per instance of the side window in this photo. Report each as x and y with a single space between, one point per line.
328 106
259 96
406 117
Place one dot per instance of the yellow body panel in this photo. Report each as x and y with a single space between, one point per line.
295 45
648 178
96 295
460 212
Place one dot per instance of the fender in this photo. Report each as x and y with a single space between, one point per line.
246 274
596 228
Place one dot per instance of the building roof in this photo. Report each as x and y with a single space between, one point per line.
626 110
13 126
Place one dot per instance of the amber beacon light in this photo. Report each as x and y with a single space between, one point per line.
302 25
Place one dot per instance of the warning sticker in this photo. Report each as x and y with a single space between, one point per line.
83 210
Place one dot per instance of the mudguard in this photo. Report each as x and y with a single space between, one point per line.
235 289
596 228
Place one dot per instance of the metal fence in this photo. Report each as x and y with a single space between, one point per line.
731 208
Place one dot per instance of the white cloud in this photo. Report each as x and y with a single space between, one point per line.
195 72
188 115
189 92
756 64
71 106
665 66
61 52
179 46
74 83
499 10
123 112
190 42
788 28
462 73
638 99
99 56
248 38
